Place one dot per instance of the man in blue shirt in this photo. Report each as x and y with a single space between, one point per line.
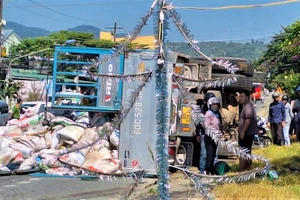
276 119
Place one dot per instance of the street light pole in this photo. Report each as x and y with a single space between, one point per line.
8 76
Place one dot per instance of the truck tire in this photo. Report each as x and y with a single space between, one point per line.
242 82
244 67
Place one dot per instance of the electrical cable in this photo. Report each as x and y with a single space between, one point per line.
56 20
61 13
108 3
234 6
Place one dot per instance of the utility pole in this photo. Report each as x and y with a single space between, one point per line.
1 18
114 30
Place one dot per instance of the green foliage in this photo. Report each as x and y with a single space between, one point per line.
62 36
284 49
152 191
10 88
282 58
250 50
30 45
100 43
287 81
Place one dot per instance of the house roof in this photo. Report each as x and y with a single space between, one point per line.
8 32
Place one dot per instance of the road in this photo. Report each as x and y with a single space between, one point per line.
262 108
24 187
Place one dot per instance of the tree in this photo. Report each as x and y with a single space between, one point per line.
282 59
30 45
283 51
10 89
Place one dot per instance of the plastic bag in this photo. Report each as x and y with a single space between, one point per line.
114 138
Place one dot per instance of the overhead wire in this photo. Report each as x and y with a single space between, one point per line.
61 13
20 7
234 6
108 3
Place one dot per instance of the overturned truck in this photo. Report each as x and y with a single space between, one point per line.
124 86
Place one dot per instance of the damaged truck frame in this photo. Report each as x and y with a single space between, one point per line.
138 128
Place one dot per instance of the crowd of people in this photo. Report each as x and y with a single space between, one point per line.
247 129
283 120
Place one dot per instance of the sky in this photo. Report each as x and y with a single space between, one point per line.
205 25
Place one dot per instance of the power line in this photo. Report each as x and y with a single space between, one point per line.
73 17
114 30
56 20
234 6
108 3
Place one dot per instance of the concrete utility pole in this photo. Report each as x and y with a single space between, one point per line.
1 18
114 30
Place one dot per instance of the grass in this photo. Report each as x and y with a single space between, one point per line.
286 187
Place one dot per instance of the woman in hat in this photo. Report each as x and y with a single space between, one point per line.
213 122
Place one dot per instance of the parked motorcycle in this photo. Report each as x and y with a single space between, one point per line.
262 139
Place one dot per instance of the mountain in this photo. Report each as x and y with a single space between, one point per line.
25 31
250 50
86 28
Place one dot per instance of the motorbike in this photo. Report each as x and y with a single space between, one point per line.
262 139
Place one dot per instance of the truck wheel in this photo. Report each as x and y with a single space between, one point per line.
242 82
266 142
181 155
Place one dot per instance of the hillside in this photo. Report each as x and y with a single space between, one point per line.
25 31
86 28
249 50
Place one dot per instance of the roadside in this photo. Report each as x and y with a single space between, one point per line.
180 188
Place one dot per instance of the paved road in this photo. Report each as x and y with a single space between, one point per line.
262 108
26 187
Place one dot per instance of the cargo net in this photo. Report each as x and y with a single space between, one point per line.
204 183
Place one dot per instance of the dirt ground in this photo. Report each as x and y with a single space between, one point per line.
180 188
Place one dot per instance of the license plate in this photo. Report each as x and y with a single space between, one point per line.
186 115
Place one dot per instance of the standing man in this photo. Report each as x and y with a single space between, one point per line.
276 119
289 115
247 127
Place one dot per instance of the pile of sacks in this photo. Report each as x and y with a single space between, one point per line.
28 144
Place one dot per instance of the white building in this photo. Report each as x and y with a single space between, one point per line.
9 38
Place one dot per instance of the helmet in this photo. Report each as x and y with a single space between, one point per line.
208 95
275 95
213 100
285 97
